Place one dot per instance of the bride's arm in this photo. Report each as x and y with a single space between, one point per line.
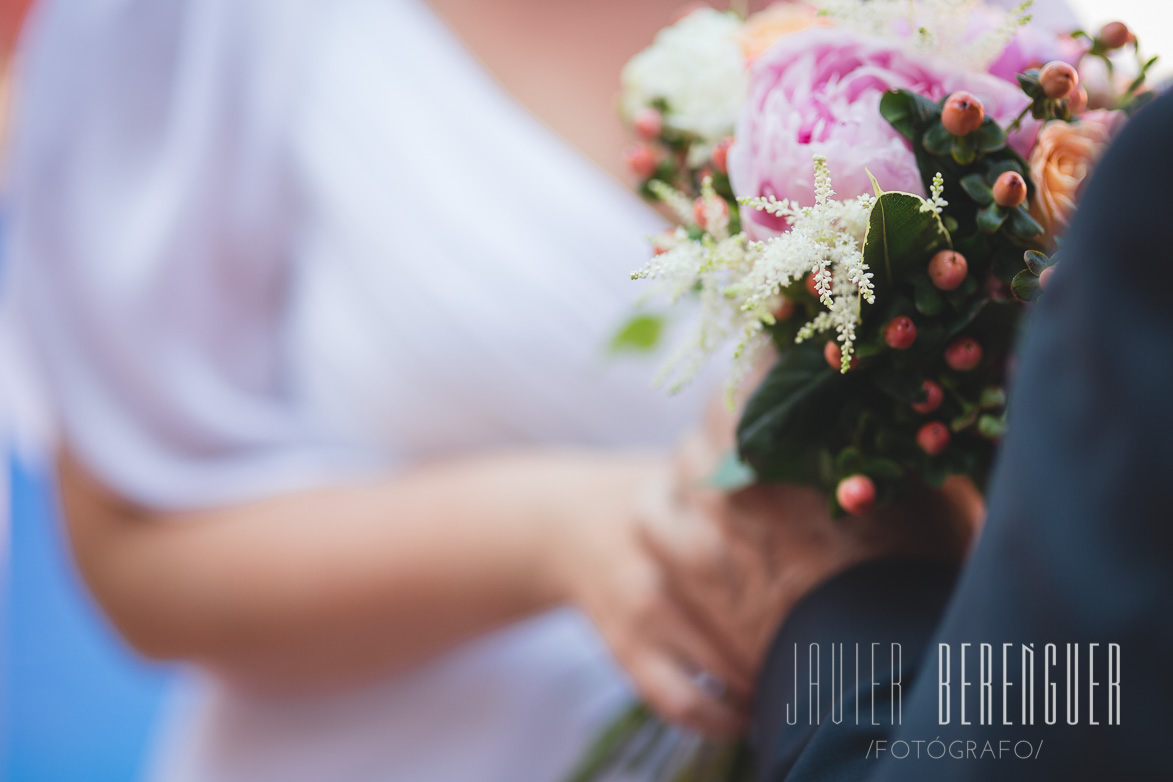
329 586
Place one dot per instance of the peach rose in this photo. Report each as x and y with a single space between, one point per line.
762 29
1063 156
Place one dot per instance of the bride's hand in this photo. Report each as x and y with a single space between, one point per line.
605 564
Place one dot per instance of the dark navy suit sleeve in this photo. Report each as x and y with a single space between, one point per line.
1078 544
852 615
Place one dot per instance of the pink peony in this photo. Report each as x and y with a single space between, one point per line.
818 92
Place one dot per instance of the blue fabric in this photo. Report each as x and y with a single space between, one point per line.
77 704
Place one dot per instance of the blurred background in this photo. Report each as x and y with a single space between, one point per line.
74 703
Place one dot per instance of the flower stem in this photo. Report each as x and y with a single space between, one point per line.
1017 123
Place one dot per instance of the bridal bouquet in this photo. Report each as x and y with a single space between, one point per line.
868 193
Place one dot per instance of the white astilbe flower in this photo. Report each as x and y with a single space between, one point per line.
715 210
739 281
943 27
935 202
843 316
824 240
675 200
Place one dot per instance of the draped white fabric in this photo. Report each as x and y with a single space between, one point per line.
266 245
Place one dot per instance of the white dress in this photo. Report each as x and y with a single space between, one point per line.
259 246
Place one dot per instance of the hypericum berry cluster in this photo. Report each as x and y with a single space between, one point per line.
1054 92
668 156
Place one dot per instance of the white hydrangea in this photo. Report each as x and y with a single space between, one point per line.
739 281
697 68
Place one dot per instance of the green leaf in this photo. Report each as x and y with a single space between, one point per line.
992 397
798 396
934 474
882 469
1026 286
976 188
1023 225
959 295
903 233
848 461
989 137
997 322
1029 82
990 219
1036 261
826 467
928 300
907 112
640 334
991 426
1006 262
899 445
1002 166
1138 101
868 349
1140 79
731 475
963 150
900 384
933 337
969 415
938 141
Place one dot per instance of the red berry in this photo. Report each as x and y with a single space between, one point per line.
963 354
1045 277
933 438
648 123
1077 101
948 269
700 212
1059 79
642 159
834 355
1010 189
963 113
721 155
1113 35
856 494
784 309
900 333
934 396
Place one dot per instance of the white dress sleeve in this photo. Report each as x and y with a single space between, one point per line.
148 244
